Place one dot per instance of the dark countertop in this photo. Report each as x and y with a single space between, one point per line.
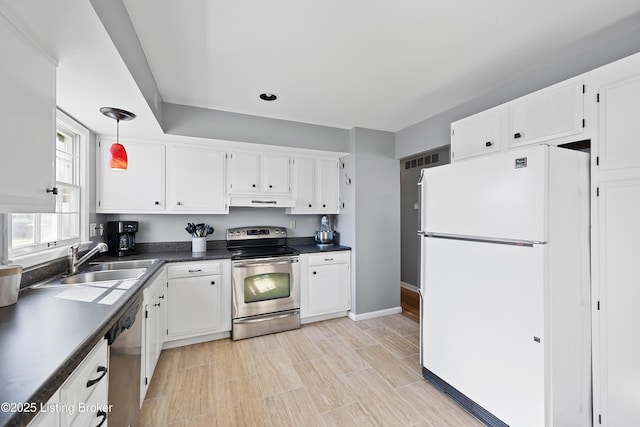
313 248
44 338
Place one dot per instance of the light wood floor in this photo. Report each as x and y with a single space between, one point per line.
333 373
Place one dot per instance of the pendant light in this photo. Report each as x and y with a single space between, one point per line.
117 154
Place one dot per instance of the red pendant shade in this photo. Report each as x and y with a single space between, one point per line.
117 154
118 157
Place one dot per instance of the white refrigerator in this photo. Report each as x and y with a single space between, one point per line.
505 317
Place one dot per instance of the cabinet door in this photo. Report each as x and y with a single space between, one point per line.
476 135
27 120
550 113
304 180
153 331
616 344
328 186
244 173
196 180
194 305
48 418
275 174
140 188
329 284
619 107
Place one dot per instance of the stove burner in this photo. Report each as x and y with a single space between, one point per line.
258 242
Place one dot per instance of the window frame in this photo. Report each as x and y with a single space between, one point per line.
39 254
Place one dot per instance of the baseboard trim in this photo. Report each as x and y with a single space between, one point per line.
180 342
409 286
320 318
374 314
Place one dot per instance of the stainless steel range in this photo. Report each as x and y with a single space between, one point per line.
266 281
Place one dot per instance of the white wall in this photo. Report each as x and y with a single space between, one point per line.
371 220
170 228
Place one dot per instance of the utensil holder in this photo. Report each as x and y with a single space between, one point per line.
199 244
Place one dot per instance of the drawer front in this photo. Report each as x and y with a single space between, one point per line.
90 376
94 411
193 269
330 258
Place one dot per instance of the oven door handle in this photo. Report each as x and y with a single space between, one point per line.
265 318
265 262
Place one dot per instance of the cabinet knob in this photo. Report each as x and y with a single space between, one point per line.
324 206
157 203
53 191
213 282
270 186
488 144
253 185
315 272
161 297
517 135
179 203
309 204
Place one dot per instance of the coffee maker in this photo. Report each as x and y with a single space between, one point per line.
121 237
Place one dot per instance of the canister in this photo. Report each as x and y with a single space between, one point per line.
10 276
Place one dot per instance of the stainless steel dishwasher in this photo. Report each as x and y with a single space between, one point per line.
125 339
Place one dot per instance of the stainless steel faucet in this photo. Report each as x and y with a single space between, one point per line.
72 256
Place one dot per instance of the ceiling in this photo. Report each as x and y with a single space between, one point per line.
375 64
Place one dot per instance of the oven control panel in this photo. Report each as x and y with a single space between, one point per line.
265 232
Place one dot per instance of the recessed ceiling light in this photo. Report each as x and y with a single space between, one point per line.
268 96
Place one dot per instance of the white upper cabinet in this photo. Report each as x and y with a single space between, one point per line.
140 188
244 173
327 175
274 174
476 135
196 180
304 186
315 186
619 111
259 180
553 112
28 123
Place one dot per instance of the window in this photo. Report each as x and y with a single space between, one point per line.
48 233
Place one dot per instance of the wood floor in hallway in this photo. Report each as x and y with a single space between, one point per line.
332 373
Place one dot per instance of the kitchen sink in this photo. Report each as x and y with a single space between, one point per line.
93 277
101 276
122 265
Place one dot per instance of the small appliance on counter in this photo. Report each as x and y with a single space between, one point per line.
121 237
324 237
10 276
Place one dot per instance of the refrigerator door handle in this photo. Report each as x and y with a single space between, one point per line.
481 239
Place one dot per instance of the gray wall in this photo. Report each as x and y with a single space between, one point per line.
371 220
410 216
613 43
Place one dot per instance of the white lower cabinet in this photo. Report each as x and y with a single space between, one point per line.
84 396
48 416
199 299
154 309
325 283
